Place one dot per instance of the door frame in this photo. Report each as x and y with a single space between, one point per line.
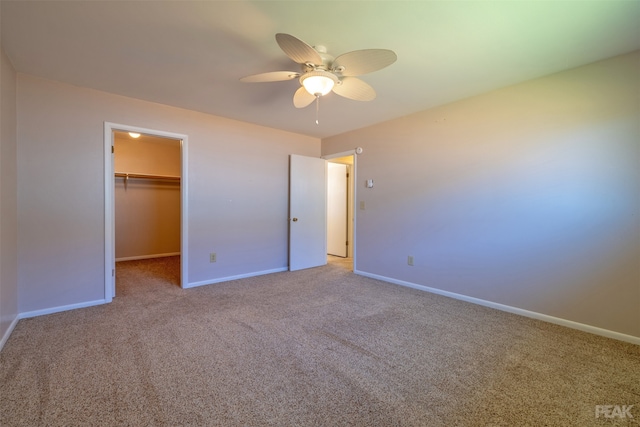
339 212
109 203
354 190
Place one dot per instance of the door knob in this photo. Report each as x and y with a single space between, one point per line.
295 219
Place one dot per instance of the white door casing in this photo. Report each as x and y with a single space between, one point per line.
352 197
109 203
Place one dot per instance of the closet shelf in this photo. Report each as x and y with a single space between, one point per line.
126 176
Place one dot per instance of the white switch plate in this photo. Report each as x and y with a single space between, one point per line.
362 205
212 257
410 260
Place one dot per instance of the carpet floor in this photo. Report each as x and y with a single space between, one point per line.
317 347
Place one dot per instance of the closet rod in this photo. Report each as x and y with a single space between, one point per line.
146 176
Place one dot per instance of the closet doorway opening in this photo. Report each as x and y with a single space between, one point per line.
145 205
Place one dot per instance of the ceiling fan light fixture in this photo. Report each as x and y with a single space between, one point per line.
318 82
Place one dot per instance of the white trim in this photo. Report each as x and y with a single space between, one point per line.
184 213
239 276
341 154
109 216
515 310
8 332
355 208
135 258
52 310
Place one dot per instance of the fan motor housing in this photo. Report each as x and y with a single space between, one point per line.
327 60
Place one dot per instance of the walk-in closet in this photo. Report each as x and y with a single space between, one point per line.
147 209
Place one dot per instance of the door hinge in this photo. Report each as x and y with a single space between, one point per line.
113 272
347 243
347 174
112 149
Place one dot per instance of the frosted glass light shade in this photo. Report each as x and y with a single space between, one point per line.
318 82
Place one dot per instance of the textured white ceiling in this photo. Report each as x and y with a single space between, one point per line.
191 54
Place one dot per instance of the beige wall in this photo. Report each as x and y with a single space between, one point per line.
147 211
237 190
8 197
526 196
146 154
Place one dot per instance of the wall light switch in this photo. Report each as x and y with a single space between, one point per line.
369 183
362 205
212 257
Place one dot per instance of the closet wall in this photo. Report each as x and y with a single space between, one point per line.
147 211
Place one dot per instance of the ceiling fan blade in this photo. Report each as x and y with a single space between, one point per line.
302 98
273 76
356 89
364 61
298 50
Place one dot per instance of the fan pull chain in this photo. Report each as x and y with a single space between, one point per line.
317 108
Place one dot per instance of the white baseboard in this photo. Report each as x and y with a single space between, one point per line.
134 258
239 276
58 309
532 314
8 332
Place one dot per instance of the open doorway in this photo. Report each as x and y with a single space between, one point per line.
340 208
145 200
308 210
147 208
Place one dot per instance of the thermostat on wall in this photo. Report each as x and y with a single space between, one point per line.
359 150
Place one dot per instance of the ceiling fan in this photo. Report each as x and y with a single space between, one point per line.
321 73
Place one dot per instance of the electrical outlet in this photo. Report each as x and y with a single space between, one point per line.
212 257
410 260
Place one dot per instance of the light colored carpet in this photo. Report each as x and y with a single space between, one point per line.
318 347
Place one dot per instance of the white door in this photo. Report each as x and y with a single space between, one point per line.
337 209
307 212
